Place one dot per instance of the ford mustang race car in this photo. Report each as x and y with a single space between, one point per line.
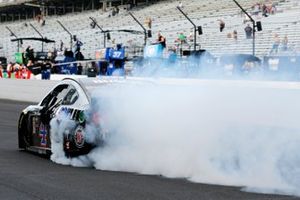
70 98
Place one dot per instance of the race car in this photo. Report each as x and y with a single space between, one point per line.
70 99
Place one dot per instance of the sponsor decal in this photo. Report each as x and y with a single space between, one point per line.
81 117
43 135
35 125
79 137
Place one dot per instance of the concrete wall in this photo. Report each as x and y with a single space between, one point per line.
25 90
35 90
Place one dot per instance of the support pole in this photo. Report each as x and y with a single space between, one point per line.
253 23
102 31
71 36
39 35
140 24
13 34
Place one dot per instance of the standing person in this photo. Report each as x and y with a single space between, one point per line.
264 10
61 45
191 36
221 24
248 31
148 22
276 43
256 9
161 40
29 53
182 40
77 45
285 43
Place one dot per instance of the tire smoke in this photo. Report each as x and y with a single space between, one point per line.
239 134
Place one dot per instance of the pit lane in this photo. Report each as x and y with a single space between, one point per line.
27 176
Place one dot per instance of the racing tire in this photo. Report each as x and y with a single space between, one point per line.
72 147
23 142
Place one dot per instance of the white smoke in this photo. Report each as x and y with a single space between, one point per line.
59 127
227 135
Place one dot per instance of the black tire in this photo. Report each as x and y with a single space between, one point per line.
72 149
23 137
21 142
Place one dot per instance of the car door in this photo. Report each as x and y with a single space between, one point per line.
41 117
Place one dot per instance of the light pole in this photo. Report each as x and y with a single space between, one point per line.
39 35
139 23
102 31
253 26
71 36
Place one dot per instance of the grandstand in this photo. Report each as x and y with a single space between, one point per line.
166 19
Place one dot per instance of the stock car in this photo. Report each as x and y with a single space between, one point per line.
71 96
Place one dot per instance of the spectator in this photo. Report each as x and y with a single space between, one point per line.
264 10
29 53
181 38
235 35
17 71
39 17
148 22
191 36
180 5
14 73
161 40
221 25
43 22
9 68
61 46
276 43
256 9
248 31
285 43
273 8
246 19
46 70
77 45
115 11
1 71
24 73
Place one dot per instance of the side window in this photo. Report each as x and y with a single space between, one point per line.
71 97
56 96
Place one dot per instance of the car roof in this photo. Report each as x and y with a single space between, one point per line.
90 84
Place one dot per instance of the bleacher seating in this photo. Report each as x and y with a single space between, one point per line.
170 22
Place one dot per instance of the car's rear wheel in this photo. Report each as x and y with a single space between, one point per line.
23 136
75 144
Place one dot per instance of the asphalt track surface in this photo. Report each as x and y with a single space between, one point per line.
27 176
